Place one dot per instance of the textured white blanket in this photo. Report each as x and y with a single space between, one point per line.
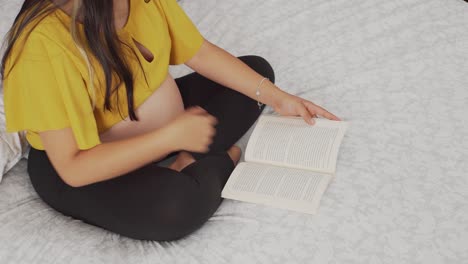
397 70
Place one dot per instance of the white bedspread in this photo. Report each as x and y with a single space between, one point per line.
397 70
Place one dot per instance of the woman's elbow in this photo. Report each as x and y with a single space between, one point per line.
71 178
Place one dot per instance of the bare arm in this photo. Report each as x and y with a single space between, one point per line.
104 161
220 66
112 159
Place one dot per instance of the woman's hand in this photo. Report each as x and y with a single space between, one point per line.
193 130
292 105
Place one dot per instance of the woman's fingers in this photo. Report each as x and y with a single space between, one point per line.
315 109
306 115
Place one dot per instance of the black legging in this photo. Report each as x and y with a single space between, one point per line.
154 202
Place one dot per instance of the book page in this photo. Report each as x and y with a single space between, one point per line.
291 142
286 188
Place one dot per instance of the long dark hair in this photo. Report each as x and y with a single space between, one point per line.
100 37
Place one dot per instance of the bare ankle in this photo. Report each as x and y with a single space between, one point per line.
235 153
183 159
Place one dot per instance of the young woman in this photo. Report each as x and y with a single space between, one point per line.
88 81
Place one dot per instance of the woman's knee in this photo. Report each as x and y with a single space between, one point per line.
260 65
170 222
176 213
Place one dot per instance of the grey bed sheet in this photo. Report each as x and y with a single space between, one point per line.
397 70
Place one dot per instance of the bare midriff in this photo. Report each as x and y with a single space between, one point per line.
157 110
163 105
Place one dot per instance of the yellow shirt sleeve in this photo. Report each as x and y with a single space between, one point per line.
185 37
45 91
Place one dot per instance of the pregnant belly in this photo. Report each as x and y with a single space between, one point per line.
157 110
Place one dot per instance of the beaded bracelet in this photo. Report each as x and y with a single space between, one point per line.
258 92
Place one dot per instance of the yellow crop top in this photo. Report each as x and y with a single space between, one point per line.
48 86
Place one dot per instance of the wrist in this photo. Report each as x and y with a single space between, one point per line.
270 94
274 96
278 99
166 136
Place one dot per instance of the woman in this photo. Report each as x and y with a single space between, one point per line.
70 63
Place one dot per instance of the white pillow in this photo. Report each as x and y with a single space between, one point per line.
13 146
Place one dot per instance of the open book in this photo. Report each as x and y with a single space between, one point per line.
288 163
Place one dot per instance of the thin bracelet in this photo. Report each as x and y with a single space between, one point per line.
258 92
